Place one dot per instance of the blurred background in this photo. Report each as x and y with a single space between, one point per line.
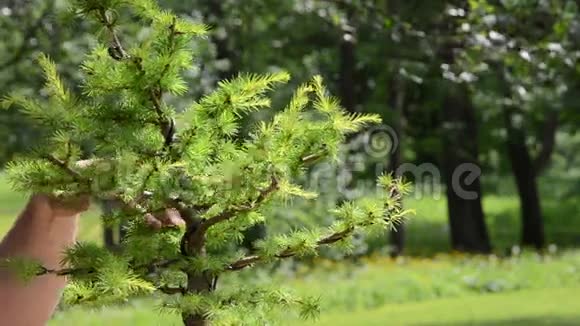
479 100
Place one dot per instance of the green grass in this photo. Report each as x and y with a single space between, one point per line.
140 313
531 307
525 308
10 204
380 281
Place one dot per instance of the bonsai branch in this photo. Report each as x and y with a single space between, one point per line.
117 52
194 237
172 290
230 213
84 271
64 166
65 271
290 252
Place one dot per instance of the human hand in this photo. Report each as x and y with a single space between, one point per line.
60 207
167 218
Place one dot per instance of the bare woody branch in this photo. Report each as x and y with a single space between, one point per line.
83 271
172 290
194 237
133 205
64 166
65 271
230 213
250 260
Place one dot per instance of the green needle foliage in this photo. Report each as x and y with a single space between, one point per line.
219 181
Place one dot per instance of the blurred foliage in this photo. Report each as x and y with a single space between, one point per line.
534 43
516 54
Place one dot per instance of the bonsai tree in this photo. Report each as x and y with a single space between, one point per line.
219 181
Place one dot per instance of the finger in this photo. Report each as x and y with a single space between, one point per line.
84 163
153 222
171 217
70 205
82 202
92 163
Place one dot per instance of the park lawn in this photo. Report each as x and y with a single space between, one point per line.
530 307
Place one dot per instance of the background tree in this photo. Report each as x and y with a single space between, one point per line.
524 56
31 19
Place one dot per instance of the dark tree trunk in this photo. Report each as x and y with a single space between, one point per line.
214 16
112 235
347 62
108 231
460 157
109 237
460 153
548 142
525 178
397 99
348 65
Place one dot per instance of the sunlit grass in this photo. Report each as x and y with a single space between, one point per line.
525 308
531 307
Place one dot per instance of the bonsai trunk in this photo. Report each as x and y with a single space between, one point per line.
197 283
193 245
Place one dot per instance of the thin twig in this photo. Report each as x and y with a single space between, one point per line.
172 290
80 271
289 252
309 159
228 214
194 237
64 166
327 240
65 271
117 52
